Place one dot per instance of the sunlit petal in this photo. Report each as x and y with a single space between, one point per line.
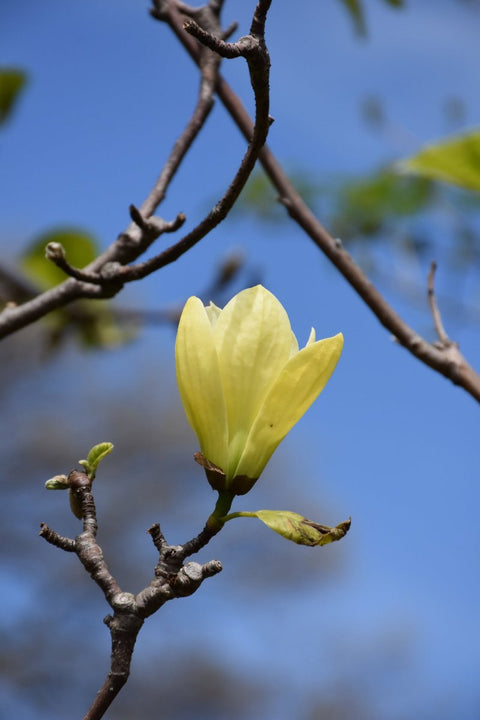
199 381
254 341
295 389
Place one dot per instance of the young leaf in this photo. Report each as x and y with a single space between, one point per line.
455 160
296 528
93 321
95 456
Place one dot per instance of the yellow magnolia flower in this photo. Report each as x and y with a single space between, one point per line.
244 383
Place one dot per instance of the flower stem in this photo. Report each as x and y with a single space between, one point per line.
217 518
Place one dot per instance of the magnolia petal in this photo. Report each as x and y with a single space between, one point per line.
199 382
213 313
293 343
253 338
295 389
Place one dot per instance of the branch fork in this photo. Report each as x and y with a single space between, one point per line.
173 578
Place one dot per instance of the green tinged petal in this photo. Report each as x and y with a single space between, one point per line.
253 338
297 386
199 382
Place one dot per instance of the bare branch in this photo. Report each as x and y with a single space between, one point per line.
255 52
105 276
101 279
59 541
174 578
451 364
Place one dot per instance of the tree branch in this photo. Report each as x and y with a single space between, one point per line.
174 578
253 49
437 318
447 361
100 278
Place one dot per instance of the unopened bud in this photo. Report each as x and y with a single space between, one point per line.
59 482
54 251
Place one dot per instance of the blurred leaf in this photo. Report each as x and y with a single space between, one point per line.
92 320
259 195
80 248
11 83
454 160
363 207
355 10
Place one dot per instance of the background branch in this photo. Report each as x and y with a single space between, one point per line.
253 49
437 318
447 361
104 277
140 233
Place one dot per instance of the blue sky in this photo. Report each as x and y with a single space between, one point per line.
390 442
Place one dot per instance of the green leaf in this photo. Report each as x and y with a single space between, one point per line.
296 528
95 456
259 196
455 160
11 83
92 320
80 249
366 207
355 9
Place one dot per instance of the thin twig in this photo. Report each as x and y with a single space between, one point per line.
59 541
437 318
253 49
139 235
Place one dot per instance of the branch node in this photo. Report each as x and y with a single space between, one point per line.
137 217
111 272
123 602
219 46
